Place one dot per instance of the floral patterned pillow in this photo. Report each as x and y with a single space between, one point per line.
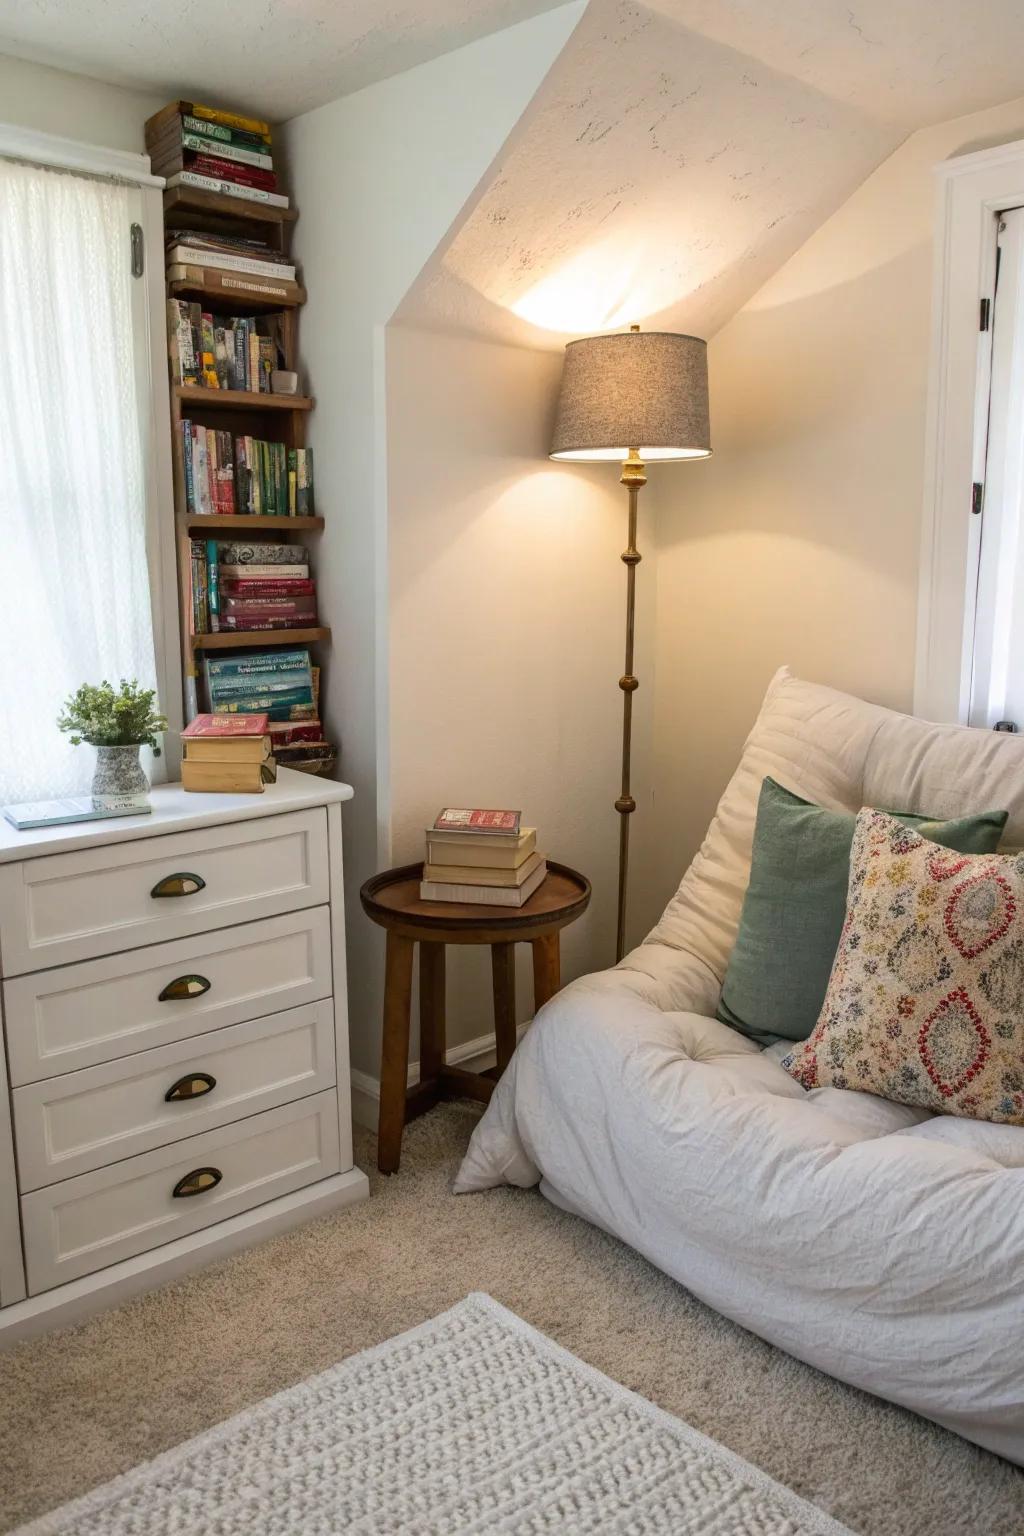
925 1004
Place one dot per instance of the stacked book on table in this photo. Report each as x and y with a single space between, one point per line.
227 754
285 687
230 476
481 857
252 587
194 145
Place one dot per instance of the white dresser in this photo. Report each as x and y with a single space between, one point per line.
176 1082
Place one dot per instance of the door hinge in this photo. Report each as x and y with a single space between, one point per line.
138 255
977 494
986 314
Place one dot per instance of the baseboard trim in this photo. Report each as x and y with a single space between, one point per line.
76 1299
474 1055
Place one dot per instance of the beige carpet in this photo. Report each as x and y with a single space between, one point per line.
79 1406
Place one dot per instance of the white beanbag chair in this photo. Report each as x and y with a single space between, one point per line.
880 1243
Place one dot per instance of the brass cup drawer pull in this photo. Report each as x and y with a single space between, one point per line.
184 987
198 1182
182 884
194 1085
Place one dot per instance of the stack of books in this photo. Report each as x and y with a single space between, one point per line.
227 754
194 145
210 351
285 687
481 857
250 587
188 248
244 476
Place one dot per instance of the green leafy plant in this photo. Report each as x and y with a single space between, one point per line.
109 717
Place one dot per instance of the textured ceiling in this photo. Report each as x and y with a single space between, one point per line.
273 57
678 152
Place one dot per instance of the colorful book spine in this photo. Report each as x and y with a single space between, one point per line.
226 188
225 150
221 134
186 452
212 584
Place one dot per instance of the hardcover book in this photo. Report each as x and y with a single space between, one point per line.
484 895
474 822
225 726
263 554
59 813
493 853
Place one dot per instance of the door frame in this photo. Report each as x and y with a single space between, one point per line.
971 191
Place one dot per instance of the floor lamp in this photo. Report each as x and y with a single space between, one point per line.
637 397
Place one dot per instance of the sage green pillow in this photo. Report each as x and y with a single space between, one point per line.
795 906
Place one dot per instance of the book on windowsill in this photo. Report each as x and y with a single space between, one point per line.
477 823
58 813
485 895
480 852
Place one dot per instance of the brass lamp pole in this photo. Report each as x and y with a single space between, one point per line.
649 389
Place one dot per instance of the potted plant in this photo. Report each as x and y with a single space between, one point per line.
117 722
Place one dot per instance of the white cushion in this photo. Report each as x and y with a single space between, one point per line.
871 1239
841 753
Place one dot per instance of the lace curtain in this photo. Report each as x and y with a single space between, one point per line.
74 584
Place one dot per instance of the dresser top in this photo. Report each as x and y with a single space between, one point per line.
174 810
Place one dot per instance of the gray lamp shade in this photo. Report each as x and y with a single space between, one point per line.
637 389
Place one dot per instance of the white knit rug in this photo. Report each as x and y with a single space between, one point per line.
473 1422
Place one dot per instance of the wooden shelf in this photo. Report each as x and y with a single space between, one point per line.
222 205
249 522
234 639
235 399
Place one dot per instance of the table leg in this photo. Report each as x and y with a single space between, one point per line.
432 1024
503 972
394 1063
547 978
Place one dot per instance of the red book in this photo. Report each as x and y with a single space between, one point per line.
454 819
239 609
231 170
227 725
286 733
269 586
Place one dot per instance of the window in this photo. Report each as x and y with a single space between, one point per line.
76 479
997 675
970 650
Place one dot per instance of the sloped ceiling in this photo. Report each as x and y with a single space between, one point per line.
275 58
679 151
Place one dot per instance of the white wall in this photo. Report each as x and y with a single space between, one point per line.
799 542
506 628
378 178
75 106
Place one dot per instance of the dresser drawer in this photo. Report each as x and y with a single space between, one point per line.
68 1125
73 906
100 1218
79 1015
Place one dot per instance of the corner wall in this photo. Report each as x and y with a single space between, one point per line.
507 618
378 178
798 542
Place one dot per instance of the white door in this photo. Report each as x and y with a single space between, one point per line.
997 683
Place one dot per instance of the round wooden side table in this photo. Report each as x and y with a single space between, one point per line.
392 899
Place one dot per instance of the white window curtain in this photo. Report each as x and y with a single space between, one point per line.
74 585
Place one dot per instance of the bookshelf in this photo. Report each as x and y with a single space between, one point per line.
268 416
